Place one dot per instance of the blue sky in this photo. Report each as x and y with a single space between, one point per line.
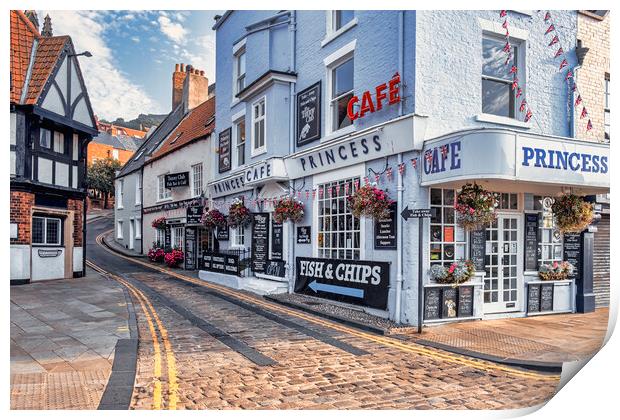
134 53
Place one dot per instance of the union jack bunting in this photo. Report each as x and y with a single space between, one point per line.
554 40
589 126
547 16
563 64
528 115
578 100
550 29
502 13
584 112
559 52
522 106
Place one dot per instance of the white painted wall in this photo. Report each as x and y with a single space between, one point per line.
48 268
77 259
20 262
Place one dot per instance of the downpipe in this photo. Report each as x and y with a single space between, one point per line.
400 187
290 272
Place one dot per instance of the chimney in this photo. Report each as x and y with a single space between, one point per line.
178 77
195 88
47 26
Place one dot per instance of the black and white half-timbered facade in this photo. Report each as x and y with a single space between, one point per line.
52 123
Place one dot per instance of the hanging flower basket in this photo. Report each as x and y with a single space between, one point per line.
456 273
288 209
239 214
213 219
572 213
555 271
156 254
159 223
174 258
371 201
475 207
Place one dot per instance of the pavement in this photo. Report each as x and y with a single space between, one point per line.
63 338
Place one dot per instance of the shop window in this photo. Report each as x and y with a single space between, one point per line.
498 97
338 230
447 238
196 180
160 237
163 193
607 117
46 231
238 237
240 142
341 92
177 237
258 127
45 138
550 239
507 201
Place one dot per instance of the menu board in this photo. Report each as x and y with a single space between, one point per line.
449 302
167 239
466 301
546 297
533 298
223 234
309 114
530 253
303 235
190 248
260 241
477 248
432 299
572 252
276 268
224 151
193 215
385 230
276 240
220 263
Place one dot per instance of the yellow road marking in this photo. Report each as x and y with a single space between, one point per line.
390 342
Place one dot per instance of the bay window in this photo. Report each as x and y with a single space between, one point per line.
341 77
498 97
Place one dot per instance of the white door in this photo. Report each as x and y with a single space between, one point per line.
503 265
131 233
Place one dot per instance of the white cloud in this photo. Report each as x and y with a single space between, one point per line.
135 39
173 30
111 93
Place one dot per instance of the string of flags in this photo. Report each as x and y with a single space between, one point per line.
524 107
569 76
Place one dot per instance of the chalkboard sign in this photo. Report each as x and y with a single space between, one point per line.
276 240
260 241
190 248
449 303
530 254
167 239
546 297
303 235
276 268
477 248
466 301
180 179
223 233
309 114
193 215
224 151
220 263
533 298
432 300
385 230
572 252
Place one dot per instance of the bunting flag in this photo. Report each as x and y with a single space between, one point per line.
513 70
506 47
346 189
528 115
320 192
389 173
444 151
366 180
502 13
547 16
377 177
578 100
554 40
569 74
584 112
338 190
563 64
522 106
414 163
508 58
550 29
519 92
401 168
515 83
313 194
356 183
307 194
589 126
505 24
428 156
559 52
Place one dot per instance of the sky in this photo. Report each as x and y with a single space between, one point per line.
134 53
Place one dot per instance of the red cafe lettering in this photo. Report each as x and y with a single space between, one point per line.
368 105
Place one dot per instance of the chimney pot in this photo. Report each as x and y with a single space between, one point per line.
202 72
177 67
182 67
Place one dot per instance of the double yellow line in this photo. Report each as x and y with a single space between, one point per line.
151 315
387 341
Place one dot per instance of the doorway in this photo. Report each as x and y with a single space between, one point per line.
503 281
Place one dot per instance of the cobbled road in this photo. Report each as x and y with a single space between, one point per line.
204 346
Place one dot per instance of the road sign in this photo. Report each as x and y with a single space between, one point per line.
408 213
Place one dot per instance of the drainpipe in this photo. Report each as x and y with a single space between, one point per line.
291 135
400 188
141 175
85 149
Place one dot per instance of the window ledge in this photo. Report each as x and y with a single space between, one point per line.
496 119
333 35
258 152
120 208
164 200
338 133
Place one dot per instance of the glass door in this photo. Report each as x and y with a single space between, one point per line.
503 265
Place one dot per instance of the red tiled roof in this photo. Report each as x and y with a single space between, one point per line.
198 123
23 33
48 51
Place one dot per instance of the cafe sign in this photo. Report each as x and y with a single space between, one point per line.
385 92
268 170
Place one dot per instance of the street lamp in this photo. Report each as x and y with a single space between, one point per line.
85 54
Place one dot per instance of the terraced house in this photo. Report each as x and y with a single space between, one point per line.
52 123
316 104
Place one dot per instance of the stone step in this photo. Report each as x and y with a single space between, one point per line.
251 284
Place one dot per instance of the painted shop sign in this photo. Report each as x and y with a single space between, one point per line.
309 114
223 234
270 170
385 230
304 235
276 268
361 282
193 215
572 252
180 179
515 156
173 205
384 92
260 241
477 248
220 263
391 138
224 152
49 253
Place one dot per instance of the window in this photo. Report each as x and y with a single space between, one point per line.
238 237
160 237
258 127
119 204
197 180
341 18
138 226
119 229
550 247
338 230
163 193
607 118
115 154
447 238
59 142
240 70
177 237
138 189
498 97
76 147
341 93
240 136
46 231
45 138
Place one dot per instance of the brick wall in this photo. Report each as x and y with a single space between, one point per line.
594 34
21 203
78 215
103 151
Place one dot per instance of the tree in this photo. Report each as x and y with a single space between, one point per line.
100 177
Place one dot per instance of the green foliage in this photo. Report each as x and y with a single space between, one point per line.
100 175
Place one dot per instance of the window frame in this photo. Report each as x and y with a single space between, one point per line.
237 236
334 20
442 224
331 69
45 220
240 147
606 108
238 54
174 233
163 193
195 193
517 56
263 148
137 228
119 229
119 195
138 190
